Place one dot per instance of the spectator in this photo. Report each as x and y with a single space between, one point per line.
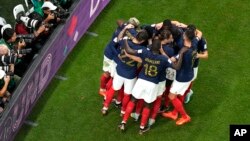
37 4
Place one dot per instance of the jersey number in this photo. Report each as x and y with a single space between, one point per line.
150 70
126 60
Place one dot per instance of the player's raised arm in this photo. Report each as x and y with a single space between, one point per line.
131 52
121 34
198 33
128 49
178 64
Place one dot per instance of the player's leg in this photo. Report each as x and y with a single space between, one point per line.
166 102
103 81
119 97
109 84
117 84
138 109
178 88
107 64
155 108
128 87
128 111
190 92
144 119
157 103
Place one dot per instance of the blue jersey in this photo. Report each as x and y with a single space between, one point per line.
169 50
153 65
111 50
186 72
127 67
202 46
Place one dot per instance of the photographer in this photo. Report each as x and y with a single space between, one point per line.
4 94
9 38
32 37
53 14
7 64
17 48
31 28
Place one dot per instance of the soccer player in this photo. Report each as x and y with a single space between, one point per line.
165 76
184 77
110 53
202 53
146 87
125 70
176 28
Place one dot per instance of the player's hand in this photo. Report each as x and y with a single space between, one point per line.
173 59
129 26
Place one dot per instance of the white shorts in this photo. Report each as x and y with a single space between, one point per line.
161 87
195 73
113 69
179 88
170 74
107 64
145 90
119 81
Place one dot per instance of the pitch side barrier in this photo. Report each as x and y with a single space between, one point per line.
43 68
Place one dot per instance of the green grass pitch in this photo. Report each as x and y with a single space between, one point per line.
70 110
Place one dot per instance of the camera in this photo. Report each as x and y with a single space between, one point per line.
27 38
62 14
20 16
5 68
23 51
8 59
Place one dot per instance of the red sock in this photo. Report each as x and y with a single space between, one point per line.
109 84
167 101
129 110
182 98
166 96
155 108
125 101
104 81
179 107
120 95
109 96
175 111
139 106
145 116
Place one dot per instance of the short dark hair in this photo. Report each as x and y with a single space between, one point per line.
165 34
156 45
167 23
142 35
150 30
8 33
192 27
190 34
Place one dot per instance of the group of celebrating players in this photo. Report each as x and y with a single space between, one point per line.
150 67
